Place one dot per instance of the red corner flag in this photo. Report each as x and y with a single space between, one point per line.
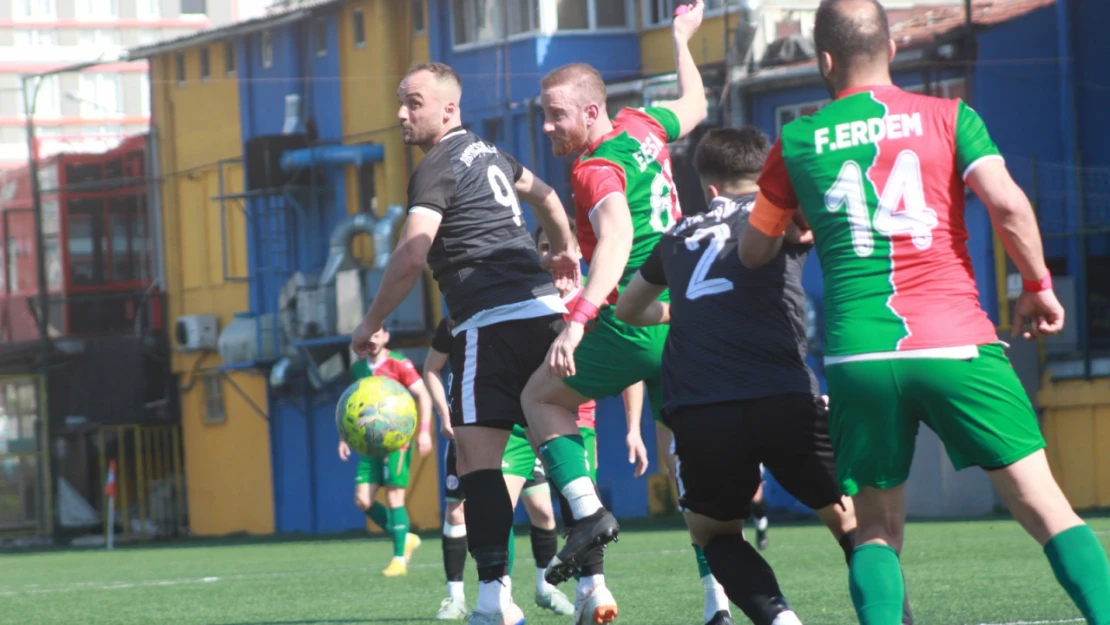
110 487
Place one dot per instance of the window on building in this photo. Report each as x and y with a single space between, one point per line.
33 38
320 36
97 9
591 14
358 21
214 399
179 60
229 57
476 21
53 261
100 94
148 9
194 8
98 39
524 16
205 63
144 94
127 230
660 12
267 44
417 16
573 15
786 114
47 99
13 264
612 14
85 241
34 9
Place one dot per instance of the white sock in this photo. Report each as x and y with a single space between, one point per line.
402 559
582 497
787 618
506 592
761 523
454 531
489 596
715 598
455 591
587 583
542 586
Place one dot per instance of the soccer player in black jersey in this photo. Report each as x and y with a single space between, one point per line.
465 221
737 390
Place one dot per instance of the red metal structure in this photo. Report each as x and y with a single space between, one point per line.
97 241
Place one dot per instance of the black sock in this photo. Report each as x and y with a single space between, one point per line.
848 544
759 508
454 557
746 577
565 511
594 562
544 545
489 517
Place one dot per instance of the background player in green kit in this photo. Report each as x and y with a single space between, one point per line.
625 199
879 177
392 471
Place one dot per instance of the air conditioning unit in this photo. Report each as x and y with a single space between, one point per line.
197 332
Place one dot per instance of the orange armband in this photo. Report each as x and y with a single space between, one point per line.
768 218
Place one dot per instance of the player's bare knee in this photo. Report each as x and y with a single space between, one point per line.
540 511
394 496
1033 496
456 513
362 501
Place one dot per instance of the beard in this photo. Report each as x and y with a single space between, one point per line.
574 141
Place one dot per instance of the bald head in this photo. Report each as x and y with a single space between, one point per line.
582 79
853 32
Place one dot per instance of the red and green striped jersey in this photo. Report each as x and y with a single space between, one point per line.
632 159
394 366
879 175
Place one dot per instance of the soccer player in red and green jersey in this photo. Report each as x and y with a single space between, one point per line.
878 176
625 199
392 471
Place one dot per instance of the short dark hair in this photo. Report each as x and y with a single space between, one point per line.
848 34
727 154
442 71
539 230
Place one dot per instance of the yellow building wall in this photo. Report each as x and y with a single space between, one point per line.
197 125
371 74
709 45
1076 426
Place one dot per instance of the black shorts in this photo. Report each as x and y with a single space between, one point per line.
491 365
452 487
719 448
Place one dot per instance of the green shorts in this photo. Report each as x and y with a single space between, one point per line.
614 355
392 470
977 407
589 439
519 458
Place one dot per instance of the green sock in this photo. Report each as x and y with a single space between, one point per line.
875 581
1080 565
703 564
565 458
379 514
399 529
512 550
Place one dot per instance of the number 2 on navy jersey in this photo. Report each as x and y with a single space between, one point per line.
699 285
503 192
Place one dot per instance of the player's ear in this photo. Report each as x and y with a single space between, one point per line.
449 111
593 111
713 191
893 50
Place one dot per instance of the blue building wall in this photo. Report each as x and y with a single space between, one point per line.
312 487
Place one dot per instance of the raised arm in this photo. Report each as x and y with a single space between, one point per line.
690 107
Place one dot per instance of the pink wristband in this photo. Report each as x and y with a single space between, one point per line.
1036 286
583 312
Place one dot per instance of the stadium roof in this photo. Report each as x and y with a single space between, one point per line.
276 17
